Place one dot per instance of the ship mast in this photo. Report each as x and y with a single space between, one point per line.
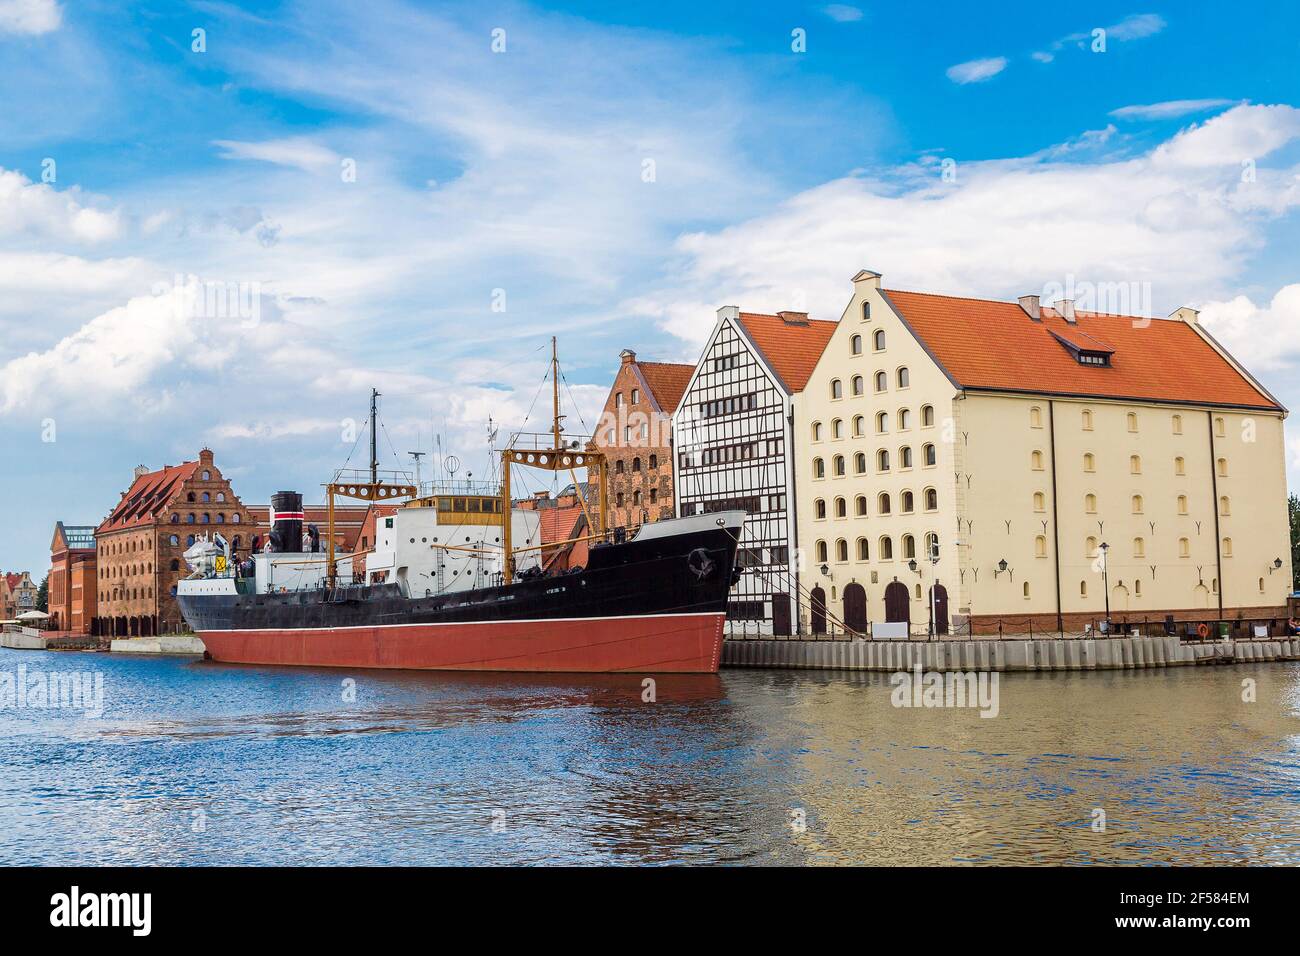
556 458
374 432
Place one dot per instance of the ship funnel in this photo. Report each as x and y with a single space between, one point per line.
286 522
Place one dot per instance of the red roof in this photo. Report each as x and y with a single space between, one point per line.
996 345
667 380
557 524
791 344
148 495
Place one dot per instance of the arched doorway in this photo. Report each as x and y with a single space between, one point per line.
855 608
818 610
939 608
898 607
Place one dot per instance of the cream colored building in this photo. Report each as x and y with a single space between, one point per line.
994 448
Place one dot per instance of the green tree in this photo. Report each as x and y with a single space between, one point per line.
1293 510
43 592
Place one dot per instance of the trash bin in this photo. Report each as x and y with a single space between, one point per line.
1223 629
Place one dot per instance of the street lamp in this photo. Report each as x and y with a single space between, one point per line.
1277 565
1105 581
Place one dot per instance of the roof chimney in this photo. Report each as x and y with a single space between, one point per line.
1032 309
1186 314
628 356
140 470
731 312
867 279
1066 308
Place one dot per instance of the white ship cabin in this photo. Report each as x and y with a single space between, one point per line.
450 542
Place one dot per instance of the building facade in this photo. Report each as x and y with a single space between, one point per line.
140 546
1013 466
18 595
73 587
734 449
635 435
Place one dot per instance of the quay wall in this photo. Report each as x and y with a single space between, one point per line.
1115 653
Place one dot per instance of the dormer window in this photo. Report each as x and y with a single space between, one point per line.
1093 358
1085 349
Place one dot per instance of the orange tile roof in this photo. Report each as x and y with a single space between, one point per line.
557 524
148 495
790 348
995 345
667 380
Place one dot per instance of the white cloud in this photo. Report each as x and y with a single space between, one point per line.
842 13
1261 337
1135 27
976 71
299 151
32 17
1169 218
1170 109
40 209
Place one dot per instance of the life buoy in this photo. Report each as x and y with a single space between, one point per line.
701 565
1202 631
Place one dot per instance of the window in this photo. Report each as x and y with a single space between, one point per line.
882 503
1218 427
882 381
841 509
909 547
636 499
1222 465
1135 464
882 423
862 550
860 463
819 468
1035 417
857 426
1132 420
928 455
1184 548
878 340
1040 501
1180 466
207 475
904 419
1087 419
618 399
904 377
821 551
636 463
1182 504
1137 587
908 503
819 508
858 385
636 396
841 550
1089 461
654 495
837 388
1224 508
1090 504
1177 422
654 462
839 466
207 518
1137 504
837 428
905 457
882 460
886 549
1036 460
1083 589
1025 589
931 499
855 345
1040 546
866 311
618 500
173 541
618 467
205 497
927 416
860 506
1139 548
816 431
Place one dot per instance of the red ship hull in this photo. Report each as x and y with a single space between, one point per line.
663 643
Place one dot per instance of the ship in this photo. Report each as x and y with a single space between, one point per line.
458 579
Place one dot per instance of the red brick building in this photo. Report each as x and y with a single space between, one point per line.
17 594
635 434
73 586
140 546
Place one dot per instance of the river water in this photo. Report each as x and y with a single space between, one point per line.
200 763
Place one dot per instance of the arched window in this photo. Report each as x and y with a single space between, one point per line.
1087 419
1132 420
221 519
1036 460
816 431
1035 417
1090 547
931 499
858 385
207 476
882 423
1083 589
1139 548
905 457
189 518
866 311
909 547
636 463
1024 588
819 468
1177 422
1182 504
1135 464
1222 465
1224 506
862 550
234 519
1137 504
837 388
882 503
1184 548
841 550
855 345
904 419
173 541
860 506
927 416
882 381
839 466
882 460
1227 547
1180 466
837 428
221 496
175 565
907 503
207 518
841 508
857 426
1040 546
860 463
1218 427
878 340
821 550
886 549
1090 504
928 455
819 508
1040 501
1089 461
206 497
904 377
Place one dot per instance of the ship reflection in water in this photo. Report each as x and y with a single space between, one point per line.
212 764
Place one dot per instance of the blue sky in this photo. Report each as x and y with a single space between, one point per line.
789 146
